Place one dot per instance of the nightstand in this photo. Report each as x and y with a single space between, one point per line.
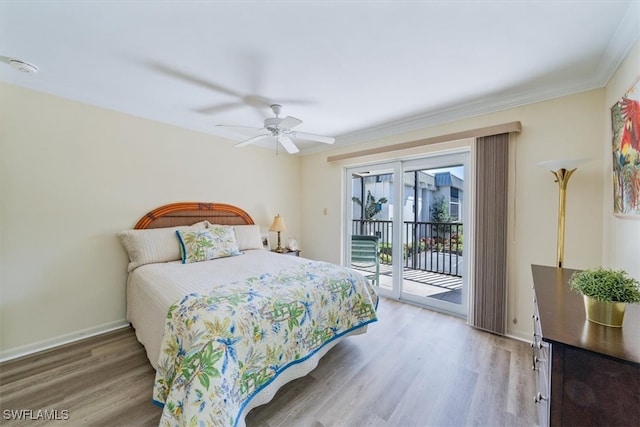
289 252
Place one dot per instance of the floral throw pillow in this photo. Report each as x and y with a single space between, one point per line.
203 245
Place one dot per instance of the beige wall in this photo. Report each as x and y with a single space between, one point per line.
73 175
570 126
621 236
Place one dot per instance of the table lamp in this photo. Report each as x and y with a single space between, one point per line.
278 226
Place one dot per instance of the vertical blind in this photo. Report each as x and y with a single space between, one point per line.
488 310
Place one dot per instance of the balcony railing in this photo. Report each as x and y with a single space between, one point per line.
429 246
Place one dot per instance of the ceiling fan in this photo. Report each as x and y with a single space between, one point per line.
280 129
239 99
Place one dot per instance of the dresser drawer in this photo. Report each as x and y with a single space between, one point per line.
541 365
537 328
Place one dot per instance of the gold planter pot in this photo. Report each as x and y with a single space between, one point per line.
604 313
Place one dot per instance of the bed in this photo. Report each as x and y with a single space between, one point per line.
224 322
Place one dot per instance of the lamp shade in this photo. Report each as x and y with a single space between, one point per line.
278 224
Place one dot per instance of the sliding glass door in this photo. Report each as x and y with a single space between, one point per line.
435 213
417 209
372 194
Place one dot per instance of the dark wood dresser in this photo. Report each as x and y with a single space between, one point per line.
586 374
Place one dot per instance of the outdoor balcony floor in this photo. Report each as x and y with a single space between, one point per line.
424 283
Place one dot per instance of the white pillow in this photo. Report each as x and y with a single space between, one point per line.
248 237
154 244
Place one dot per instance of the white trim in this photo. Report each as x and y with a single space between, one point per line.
518 338
397 242
625 37
60 340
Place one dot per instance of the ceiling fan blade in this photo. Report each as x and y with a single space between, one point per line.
172 72
314 137
252 140
289 123
288 144
239 127
219 108
290 101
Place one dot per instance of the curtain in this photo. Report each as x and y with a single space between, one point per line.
488 309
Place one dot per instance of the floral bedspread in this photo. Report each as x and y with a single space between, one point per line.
222 348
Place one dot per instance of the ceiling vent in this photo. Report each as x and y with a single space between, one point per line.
24 67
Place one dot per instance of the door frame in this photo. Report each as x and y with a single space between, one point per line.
437 161
432 160
394 167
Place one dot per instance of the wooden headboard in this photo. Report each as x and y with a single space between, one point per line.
187 213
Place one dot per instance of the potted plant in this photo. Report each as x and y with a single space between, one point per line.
606 293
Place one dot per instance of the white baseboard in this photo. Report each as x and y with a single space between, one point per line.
49 343
519 338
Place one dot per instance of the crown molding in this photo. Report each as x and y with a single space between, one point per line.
625 37
619 46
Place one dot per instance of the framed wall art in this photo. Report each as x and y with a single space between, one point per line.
625 124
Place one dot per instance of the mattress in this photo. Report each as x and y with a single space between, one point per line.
153 288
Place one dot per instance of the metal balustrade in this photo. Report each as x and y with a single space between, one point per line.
429 246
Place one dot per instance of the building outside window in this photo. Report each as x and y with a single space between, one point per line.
454 205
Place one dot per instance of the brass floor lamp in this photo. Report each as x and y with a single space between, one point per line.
562 170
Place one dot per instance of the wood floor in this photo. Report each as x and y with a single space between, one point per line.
414 367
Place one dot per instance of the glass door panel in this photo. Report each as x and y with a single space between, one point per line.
433 233
371 196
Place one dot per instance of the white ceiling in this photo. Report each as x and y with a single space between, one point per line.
350 69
